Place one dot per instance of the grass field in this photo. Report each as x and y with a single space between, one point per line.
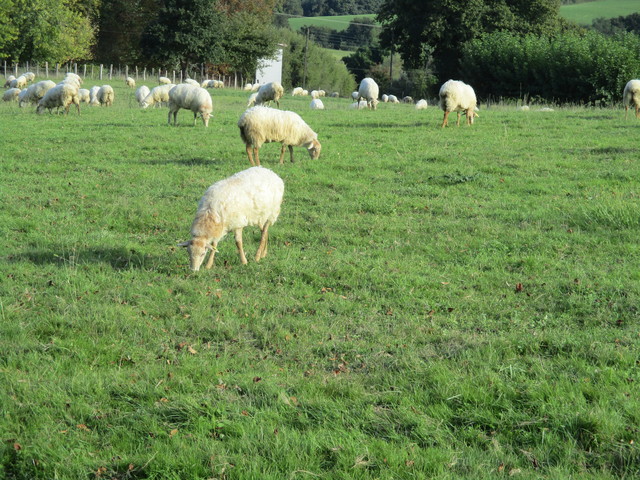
338 22
444 304
584 13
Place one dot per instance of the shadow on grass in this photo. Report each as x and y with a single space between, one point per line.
118 258
191 162
426 123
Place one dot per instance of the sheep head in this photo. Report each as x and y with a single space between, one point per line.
197 248
314 149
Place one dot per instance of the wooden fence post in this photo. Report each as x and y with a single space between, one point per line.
110 71
101 66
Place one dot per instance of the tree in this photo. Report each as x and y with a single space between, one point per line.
445 25
8 30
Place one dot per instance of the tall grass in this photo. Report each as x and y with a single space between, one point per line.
457 303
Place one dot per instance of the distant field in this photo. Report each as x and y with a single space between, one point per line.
584 13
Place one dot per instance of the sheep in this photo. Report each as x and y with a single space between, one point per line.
322 93
93 96
407 99
305 93
270 91
362 104
255 87
159 94
354 96
190 97
8 81
296 92
457 96
62 95
30 76
75 76
421 104
218 83
252 99
191 81
248 87
141 93
84 95
315 94
19 82
105 95
164 80
130 82
523 108
36 91
369 91
335 95
251 197
384 98
260 125
392 99
316 104
11 95
207 83
631 97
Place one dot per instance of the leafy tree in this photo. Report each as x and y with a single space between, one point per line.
611 26
186 32
8 29
48 30
445 25
339 7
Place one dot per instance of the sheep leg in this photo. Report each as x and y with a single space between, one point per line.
212 256
264 239
445 120
238 233
256 156
249 149
458 121
637 111
291 152
195 119
169 118
626 110
282 154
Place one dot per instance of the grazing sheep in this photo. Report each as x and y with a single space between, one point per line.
105 95
19 82
392 99
524 108
157 95
315 94
255 87
75 76
248 87
305 93
335 95
130 82
384 98
631 97
164 80
252 99
354 96
11 95
84 95
457 96
36 91
316 104
190 97
260 125
218 83
421 104
8 81
191 81
296 92
30 76
407 99
62 95
251 197
369 91
268 92
93 96
361 105
141 93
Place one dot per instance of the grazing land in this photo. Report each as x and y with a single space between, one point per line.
454 303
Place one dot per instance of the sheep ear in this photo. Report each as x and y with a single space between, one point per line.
184 244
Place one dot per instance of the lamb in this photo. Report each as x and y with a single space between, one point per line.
36 91
259 125
421 104
316 104
190 97
631 97
369 91
457 96
141 93
11 95
130 82
164 80
62 95
251 197
105 95
270 91
159 94
8 81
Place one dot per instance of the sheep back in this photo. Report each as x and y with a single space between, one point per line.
105 95
369 91
457 96
190 97
268 92
259 125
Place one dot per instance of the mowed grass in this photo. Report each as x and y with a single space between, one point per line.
436 303
336 22
584 13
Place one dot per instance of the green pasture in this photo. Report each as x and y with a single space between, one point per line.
337 22
457 303
584 13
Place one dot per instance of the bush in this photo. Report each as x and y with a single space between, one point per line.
579 68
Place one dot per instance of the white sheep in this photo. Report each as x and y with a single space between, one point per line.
255 87
296 92
218 84
392 99
30 76
251 197
105 95
631 97
36 91
407 99
19 82
84 95
305 93
315 94
190 97
248 87
130 82
8 81
93 96
268 92
369 91
252 99
457 96
164 80
62 95
259 125
362 104
421 104
384 98
207 83
335 95
191 81
157 95
316 104
354 96
11 95
141 93
75 76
